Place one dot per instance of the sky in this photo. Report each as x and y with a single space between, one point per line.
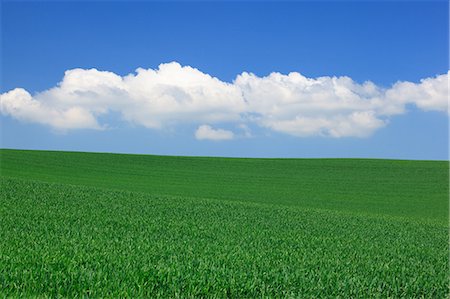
237 79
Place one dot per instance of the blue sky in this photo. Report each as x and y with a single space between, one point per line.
383 42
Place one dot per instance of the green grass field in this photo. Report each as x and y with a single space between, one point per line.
110 225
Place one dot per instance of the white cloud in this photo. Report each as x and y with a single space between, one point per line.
21 105
205 132
333 106
173 94
155 99
357 124
430 94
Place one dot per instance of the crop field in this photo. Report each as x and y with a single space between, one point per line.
112 225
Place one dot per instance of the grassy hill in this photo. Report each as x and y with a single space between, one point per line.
136 225
403 188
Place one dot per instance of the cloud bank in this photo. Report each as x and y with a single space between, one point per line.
175 95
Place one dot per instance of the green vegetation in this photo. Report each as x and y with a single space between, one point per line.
108 225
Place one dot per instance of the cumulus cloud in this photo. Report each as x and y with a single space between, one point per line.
155 99
21 105
173 94
431 94
333 106
205 132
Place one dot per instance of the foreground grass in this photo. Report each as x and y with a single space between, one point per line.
72 241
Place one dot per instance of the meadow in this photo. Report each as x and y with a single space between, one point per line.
112 225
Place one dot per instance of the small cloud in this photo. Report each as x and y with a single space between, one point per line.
205 132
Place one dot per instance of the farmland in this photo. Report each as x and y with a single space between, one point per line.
111 225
